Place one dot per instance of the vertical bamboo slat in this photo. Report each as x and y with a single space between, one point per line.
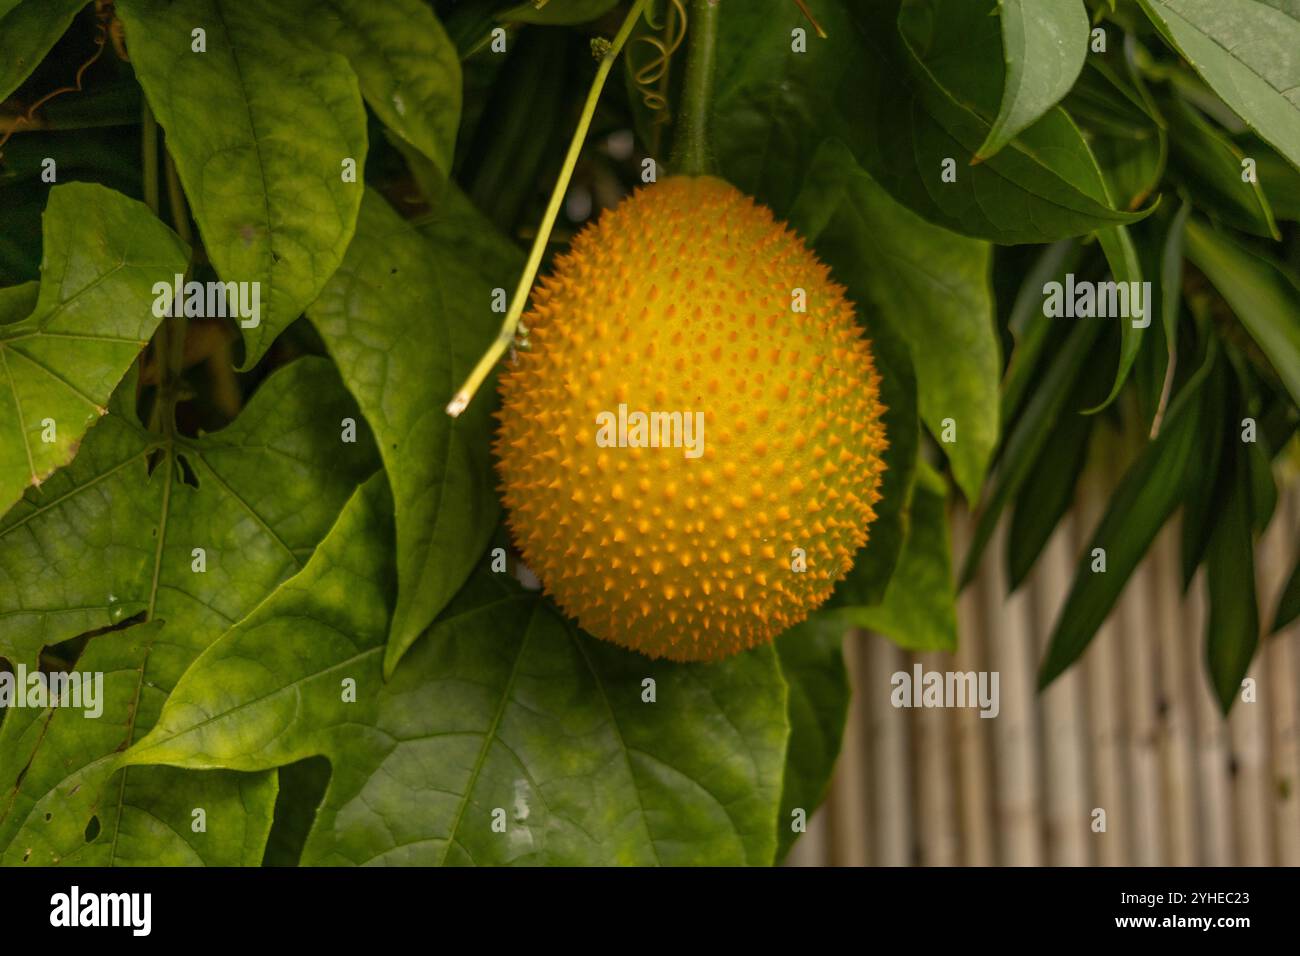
972 734
1140 728
938 834
1177 670
1105 706
1012 655
1064 738
892 823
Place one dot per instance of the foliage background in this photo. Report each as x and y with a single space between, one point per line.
368 560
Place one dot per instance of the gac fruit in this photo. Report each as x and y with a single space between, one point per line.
690 445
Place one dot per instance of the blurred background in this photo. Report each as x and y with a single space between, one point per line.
1133 728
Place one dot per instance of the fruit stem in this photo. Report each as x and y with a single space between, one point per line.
692 155
506 336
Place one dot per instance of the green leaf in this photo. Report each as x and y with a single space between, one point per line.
504 708
557 12
837 244
1148 493
1211 164
934 288
93 315
919 609
1043 186
406 319
1265 299
28 30
407 66
259 126
1044 45
1232 626
812 663
1125 269
865 87
1288 605
110 540
1246 51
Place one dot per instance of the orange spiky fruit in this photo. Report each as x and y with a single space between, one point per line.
674 540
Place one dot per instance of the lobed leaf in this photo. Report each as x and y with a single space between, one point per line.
89 321
111 541
502 712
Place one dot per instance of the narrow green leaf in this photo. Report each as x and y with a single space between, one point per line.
407 66
1044 44
110 539
1232 626
1264 298
812 663
1148 493
93 315
1246 51
28 30
1126 270
406 319
260 126
504 711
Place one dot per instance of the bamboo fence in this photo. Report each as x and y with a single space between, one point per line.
1132 729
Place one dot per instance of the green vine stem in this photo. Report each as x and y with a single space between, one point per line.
609 53
692 155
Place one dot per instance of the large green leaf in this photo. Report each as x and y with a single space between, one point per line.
835 238
1147 495
407 66
110 539
502 711
406 319
934 288
1264 298
812 663
260 126
900 118
1249 52
28 29
93 315
919 609
1044 45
